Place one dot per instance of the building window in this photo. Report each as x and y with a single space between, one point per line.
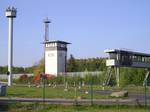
113 56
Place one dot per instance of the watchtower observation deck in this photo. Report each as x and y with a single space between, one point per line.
126 58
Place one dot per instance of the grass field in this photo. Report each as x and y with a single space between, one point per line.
34 92
58 92
58 108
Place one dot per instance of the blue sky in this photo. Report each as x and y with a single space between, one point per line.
90 25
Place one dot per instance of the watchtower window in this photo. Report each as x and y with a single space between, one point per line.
113 55
143 59
148 59
125 59
139 58
134 58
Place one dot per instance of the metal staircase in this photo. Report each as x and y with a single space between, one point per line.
146 77
108 76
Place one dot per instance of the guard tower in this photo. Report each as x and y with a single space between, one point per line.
125 58
55 57
10 14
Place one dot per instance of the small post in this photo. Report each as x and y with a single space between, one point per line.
76 102
43 80
145 92
118 76
103 86
91 84
65 80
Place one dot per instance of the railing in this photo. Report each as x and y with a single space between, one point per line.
81 74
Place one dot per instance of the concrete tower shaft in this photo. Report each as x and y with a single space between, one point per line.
10 14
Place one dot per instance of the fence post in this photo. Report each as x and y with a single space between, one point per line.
43 79
91 90
75 88
145 92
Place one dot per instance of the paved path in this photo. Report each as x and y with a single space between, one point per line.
73 102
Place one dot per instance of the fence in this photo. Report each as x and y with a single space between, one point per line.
15 76
83 87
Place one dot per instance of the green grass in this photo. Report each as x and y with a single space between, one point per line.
58 108
58 92
129 88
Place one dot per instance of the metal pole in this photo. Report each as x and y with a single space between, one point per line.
65 75
91 90
43 77
145 92
118 70
76 102
10 51
118 76
10 14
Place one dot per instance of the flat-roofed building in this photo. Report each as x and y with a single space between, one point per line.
55 57
125 58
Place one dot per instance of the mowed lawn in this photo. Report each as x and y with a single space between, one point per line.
58 92
50 92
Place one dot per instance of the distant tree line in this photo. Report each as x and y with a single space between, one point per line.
128 76
90 64
16 70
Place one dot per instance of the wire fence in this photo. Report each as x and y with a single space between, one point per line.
82 88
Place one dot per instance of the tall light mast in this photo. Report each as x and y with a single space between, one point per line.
46 22
10 14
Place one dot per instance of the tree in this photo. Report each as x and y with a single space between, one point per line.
132 76
71 64
125 77
28 70
39 67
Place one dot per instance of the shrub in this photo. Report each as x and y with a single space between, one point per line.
23 78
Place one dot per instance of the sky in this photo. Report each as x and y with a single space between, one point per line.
90 25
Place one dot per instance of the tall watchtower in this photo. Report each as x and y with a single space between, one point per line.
10 14
125 58
55 57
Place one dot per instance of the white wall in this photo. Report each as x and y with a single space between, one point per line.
55 61
51 62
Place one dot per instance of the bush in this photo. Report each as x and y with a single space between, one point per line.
23 78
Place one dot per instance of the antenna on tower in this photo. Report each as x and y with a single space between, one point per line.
46 22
